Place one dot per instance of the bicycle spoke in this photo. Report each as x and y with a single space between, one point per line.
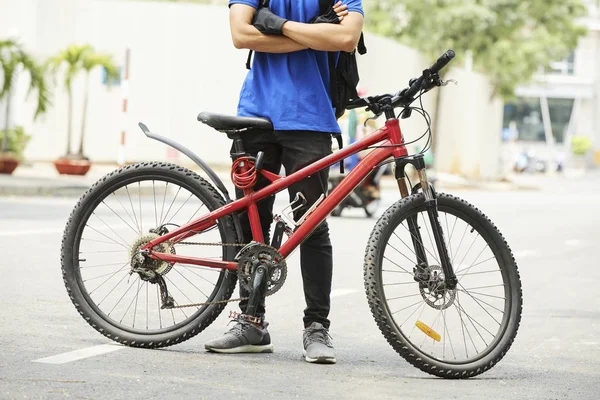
478 303
108 294
403 297
399 283
163 204
470 247
103 265
131 303
471 320
158 306
476 258
481 294
460 243
124 294
433 246
132 208
198 275
448 335
431 254
413 313
483 301
190 282
410 273
140 202
111 229
147 307
103 251
180 291
464 327
402 309
99 241
108 237
121 218
194 214
154 197
124 209
102 284
171 205
179 209
102 276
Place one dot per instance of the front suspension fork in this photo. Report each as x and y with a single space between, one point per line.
413 223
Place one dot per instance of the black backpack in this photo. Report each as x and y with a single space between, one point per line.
343 75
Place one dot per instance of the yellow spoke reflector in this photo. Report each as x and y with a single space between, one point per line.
428 331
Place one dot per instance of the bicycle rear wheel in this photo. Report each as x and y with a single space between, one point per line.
456 333
112 221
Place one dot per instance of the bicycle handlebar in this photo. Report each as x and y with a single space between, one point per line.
405 96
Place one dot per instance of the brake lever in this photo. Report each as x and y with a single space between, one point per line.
445 83
373 118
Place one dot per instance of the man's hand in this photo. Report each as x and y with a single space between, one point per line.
334 15
267 22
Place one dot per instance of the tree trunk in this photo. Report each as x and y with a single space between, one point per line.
70 122
84 115
5 136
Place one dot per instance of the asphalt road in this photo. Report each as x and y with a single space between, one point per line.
554 234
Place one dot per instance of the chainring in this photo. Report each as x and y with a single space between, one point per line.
434 290
257 254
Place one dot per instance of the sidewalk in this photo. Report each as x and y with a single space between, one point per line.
41 179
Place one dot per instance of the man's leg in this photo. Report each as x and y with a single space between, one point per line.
299 150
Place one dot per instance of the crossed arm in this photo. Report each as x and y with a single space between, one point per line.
297 36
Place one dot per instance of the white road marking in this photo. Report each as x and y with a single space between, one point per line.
80 354
342 292
31 232
525 253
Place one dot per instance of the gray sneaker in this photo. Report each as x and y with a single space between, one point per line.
244 337
317 345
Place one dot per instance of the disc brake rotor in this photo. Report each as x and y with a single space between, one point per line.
434 291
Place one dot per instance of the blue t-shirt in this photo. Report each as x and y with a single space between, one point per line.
291 89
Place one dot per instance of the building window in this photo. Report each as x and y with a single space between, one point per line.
523 119
563 67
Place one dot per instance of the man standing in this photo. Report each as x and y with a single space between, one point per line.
289 84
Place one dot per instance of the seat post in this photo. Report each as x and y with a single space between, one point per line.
238 146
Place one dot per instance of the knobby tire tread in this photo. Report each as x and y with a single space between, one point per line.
376 297
195 326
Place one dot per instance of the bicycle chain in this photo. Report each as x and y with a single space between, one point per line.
218 301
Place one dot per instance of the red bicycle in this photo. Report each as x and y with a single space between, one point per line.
152 252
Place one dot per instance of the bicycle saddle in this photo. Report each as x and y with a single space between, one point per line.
227 123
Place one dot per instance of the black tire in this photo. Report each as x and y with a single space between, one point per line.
225 283
382 311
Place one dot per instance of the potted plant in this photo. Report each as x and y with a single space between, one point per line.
74 59
13 59
580 145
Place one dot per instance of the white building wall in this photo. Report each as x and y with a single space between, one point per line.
183 62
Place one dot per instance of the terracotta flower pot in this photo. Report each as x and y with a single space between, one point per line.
65 166
8 164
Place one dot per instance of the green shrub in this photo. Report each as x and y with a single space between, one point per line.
17 141
580 144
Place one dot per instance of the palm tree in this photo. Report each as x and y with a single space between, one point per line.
78 58
13 57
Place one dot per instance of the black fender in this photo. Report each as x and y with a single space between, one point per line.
202 164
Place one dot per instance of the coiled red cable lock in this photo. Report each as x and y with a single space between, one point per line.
243 173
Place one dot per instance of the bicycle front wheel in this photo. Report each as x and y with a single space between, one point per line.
110 224
455 333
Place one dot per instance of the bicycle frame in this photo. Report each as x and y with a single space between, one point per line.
389 137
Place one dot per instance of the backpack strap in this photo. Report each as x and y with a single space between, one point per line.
263 3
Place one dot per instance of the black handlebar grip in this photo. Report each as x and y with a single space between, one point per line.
442 61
